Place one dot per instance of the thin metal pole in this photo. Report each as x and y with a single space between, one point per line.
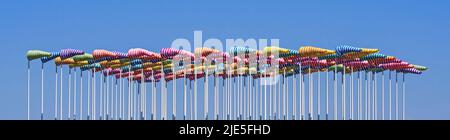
382 96
265 98
102 94
75 93
310 96
294 97
205 86
56 92
28 94
359 96
119 97
318 95
270 99
335 113
184 95
42 91
81 94
403 97
344 114
396 96
351 95
89 96
375 96
60 95
366 103
174 94
70 94
303 96
195 93
390 96
327 95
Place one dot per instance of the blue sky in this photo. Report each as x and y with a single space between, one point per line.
413 30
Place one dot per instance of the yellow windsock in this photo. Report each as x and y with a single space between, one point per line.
270 49
310 51
66 61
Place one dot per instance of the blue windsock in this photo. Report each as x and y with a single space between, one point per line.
373 56
90 66
135 62
136 67
330 56
343 49
93 61
51 57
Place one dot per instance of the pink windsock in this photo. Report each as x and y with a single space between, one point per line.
135 53
169 53
356 63
395 66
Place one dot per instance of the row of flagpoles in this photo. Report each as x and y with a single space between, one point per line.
246 84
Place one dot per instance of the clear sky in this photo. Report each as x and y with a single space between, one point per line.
414 30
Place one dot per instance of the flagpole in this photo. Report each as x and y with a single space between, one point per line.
28 90
42 91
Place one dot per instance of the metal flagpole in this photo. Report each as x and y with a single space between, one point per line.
382 95
366 103
344 114
174 94
359 96
270 99
101 114
190 101
265 98
335 93
294 97
185 94
75 93
129 94
94 113
396 95
310 96
205 87
403 97
216 108
60 95
390 96
375 96
195 92
303 100
108 96
28 90
327 94
56 92
81 94
351 94
119 98
42 91
89 96
318 95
